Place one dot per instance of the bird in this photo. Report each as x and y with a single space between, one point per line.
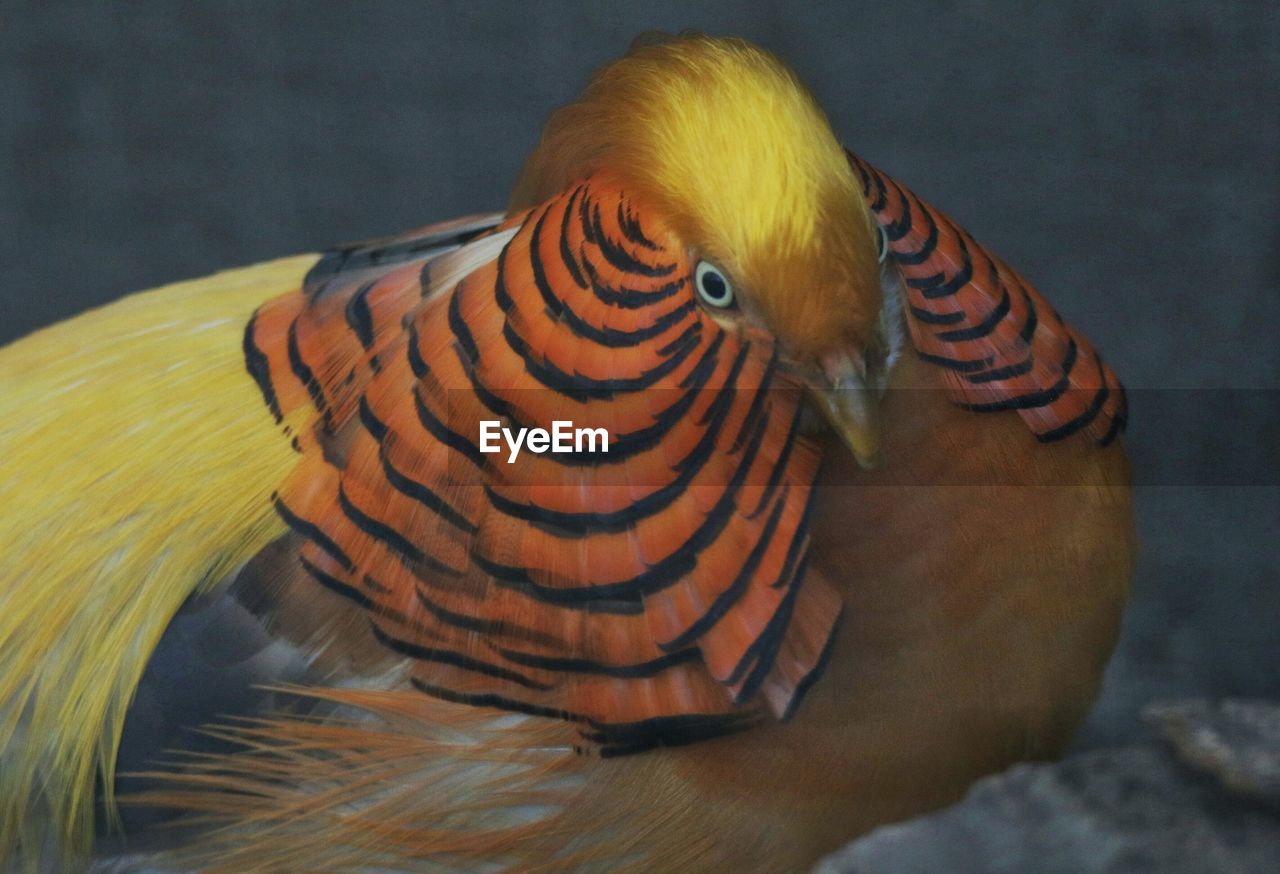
858 532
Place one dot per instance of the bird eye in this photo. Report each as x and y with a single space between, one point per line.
884 244
712 285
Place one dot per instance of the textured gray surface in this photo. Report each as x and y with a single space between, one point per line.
1123 811
1238 742
1125 156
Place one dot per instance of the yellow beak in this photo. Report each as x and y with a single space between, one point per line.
851 406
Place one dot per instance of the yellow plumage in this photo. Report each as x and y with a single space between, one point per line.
722 137
136 465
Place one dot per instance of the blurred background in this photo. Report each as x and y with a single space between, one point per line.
1124 156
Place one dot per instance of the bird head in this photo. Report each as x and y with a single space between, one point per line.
722 139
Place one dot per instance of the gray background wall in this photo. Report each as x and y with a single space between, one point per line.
1125 156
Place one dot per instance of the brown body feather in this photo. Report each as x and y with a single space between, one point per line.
982 593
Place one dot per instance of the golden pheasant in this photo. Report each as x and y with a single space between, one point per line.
712 639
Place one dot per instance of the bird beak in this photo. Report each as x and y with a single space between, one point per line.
852 406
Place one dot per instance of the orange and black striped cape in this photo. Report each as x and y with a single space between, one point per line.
656 594
1001 344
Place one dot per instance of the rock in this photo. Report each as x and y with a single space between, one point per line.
1134 809
1238 742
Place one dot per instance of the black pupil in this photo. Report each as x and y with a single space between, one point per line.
713 285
